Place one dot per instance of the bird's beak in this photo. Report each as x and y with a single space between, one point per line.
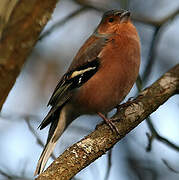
125 16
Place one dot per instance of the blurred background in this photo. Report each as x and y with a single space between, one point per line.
142 154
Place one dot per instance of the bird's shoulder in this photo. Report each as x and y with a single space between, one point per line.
89 51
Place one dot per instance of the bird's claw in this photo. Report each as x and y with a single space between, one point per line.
110 123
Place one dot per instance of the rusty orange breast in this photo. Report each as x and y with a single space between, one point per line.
119 67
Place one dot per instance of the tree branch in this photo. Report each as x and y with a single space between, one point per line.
19 33
87 150
6 9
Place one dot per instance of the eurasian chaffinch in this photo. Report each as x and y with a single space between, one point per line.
100 76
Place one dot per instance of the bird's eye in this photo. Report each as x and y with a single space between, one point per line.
111 20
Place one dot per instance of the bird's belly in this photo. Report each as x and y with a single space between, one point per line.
103 91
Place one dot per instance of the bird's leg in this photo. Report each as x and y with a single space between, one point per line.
109 122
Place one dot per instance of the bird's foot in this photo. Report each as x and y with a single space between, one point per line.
109 122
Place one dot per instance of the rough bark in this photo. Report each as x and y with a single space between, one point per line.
6 8
87 150
20 25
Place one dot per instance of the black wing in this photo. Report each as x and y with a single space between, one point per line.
64 89
73 79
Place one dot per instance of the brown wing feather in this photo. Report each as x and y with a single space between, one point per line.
88 53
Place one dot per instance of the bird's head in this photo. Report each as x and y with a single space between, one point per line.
112 21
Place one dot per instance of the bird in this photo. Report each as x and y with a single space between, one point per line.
99 78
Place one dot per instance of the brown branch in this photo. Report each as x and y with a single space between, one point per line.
6 9
84 152
18 37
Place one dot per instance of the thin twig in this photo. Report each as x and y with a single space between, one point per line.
135 16
156 23
151 55
159 137
5 174
169 167
39 141
154 132
98 6
62 22
109 159
159 30
11 177
150 140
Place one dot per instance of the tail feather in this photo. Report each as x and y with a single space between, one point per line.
44 157
56 129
